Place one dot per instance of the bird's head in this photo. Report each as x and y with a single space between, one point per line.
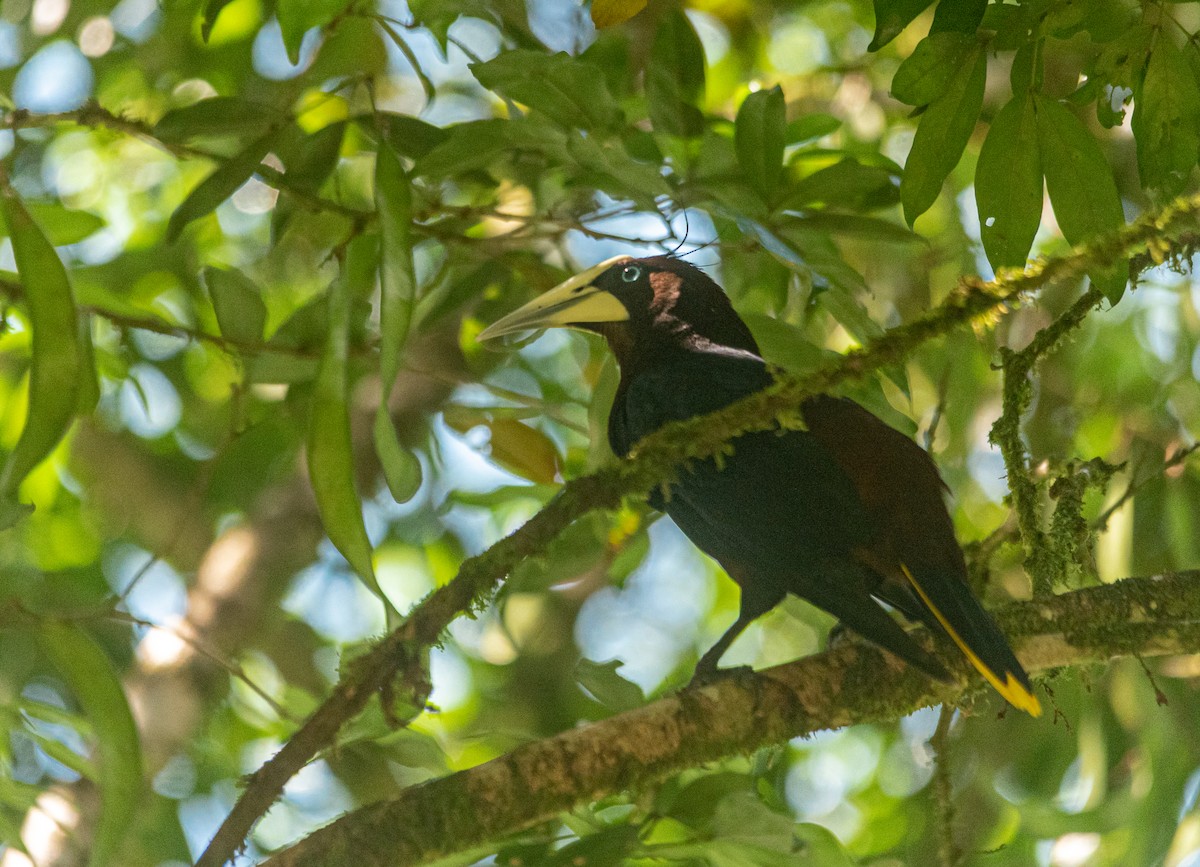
638 305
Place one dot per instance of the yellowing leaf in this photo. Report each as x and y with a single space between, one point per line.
516 446
609 13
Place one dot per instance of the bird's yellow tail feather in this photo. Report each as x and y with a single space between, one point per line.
1013 691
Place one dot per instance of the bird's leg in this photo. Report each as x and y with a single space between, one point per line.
706 668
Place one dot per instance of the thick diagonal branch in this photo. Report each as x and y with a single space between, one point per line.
853 684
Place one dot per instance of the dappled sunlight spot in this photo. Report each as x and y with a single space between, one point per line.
1075 790
451 677
1074 849
334 601
136 20
714 35
270 57
47 16
523 617
45 830
201 814
162 647
10 47
310 799
495 647
254 704
148 403
403 574
224 566
177 778
150 588
656 617
96 36
57 78
254 197
905 769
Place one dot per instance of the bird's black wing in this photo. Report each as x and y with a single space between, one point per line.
778 512
902 491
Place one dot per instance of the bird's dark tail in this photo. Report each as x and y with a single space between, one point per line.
978 637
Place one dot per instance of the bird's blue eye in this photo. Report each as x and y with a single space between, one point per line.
631 274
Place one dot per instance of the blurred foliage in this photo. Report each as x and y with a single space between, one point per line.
251 245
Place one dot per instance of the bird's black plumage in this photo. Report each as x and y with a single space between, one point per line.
843 514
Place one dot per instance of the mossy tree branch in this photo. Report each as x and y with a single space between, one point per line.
854 683
1042 560
656 459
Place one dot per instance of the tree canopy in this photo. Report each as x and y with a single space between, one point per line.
283 544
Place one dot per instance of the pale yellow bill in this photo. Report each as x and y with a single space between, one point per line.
573 302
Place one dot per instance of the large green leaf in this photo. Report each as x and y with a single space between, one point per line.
570 92
297 17
942 135
237 301
675 76
927 72
1081 187
1008 184
330 458
892 16
97 687
220 185
1166 120
398 289
58 364
760 135
62 225
216 116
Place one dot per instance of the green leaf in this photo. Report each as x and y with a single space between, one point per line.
1166 120
208 18
846 184
97 687
215 116
61 225
398 289
219 185
297 17
1008 184
401 468
237 301
316 158
784 344
89 380
942 135
58 356
760 135
330 458
1081 187
927 72
810 127
962 16
743 817
612 169
393 201
409 136
858 226
466 147
892 16
605 685
675 76
570 92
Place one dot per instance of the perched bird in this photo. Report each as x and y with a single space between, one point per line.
845 513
